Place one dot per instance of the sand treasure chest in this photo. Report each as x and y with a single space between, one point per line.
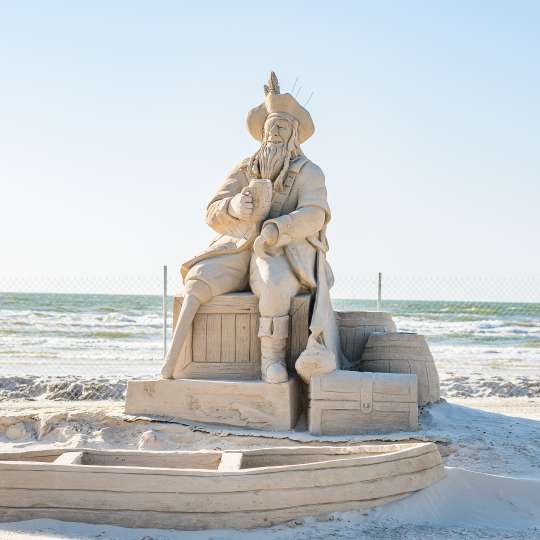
403 352
351 402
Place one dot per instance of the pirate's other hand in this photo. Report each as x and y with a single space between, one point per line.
270 234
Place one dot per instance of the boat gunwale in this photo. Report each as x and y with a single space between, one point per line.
351 461
298 449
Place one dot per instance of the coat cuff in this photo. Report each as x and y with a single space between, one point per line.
224 209
218 216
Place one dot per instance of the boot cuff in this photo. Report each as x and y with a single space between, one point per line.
276 327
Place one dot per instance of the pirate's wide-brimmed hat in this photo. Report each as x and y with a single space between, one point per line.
275 102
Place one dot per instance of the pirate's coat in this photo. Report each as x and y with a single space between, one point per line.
301 213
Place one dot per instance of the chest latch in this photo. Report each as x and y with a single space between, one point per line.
366 396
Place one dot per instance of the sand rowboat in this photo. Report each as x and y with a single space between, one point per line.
210 489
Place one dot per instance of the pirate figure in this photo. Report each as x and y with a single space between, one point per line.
271 214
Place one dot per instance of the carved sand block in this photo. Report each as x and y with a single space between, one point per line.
210 489
250 404
401 352
351 402
355 327
224 343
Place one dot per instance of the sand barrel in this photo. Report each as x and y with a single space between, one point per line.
400 352
355 327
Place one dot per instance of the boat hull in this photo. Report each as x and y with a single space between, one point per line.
275 485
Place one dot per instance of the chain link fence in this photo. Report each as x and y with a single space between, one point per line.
70 338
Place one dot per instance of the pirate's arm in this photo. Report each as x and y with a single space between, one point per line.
309 217
220 214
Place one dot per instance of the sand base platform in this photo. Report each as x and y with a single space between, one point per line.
251 404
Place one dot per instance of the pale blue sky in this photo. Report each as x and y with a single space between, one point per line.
118 119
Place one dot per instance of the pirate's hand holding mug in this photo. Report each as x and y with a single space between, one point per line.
241 205
253 203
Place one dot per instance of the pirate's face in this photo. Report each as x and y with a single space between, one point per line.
277 130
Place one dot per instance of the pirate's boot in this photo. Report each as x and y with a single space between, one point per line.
273 332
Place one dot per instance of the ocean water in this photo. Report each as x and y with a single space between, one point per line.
80 334
121 336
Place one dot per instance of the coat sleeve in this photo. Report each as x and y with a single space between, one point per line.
312 212
217 211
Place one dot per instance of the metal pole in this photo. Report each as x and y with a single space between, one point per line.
379 293
164 311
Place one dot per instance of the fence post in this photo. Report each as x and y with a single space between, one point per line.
379 293
164 311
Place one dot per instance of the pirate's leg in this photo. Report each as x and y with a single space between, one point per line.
209 278
273 281
196 292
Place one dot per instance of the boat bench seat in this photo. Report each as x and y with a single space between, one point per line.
69 458
231 461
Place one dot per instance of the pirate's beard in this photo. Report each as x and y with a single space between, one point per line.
270 159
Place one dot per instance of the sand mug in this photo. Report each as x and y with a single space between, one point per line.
261 193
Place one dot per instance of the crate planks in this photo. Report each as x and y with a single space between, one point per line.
224 341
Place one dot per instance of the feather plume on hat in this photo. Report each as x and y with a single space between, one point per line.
279 103
273 85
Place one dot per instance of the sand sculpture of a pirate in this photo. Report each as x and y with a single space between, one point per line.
271 214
